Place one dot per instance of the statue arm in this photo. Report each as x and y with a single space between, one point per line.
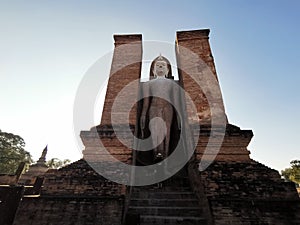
144 108
176 100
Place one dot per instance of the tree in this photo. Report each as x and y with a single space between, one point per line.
56 163
12 153
292 173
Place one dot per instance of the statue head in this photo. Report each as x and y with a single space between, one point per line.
160 67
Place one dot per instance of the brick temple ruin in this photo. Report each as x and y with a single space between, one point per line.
234 189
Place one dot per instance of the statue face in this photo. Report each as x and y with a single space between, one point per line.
160 68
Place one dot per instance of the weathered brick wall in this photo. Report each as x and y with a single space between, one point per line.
248 193
233 146
249 212
110 146
79 178
125 68
70 211
197 41
190 46
249 180
74 194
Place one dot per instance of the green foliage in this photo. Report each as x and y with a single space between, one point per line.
12 153
292 173
56 163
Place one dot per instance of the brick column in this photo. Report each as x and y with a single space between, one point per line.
125 68
128 49
190 45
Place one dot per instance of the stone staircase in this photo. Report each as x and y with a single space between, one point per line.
171 202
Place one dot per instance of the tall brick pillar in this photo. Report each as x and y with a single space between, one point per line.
128 49
125 68
195 59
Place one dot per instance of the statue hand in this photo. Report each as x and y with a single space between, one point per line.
142 124
178 123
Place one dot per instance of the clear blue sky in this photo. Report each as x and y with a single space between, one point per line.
47 46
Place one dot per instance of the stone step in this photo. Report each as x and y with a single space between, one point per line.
166 210
173 182
163 188
164 202
164 194
177 182
180 220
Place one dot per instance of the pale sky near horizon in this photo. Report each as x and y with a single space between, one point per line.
46 47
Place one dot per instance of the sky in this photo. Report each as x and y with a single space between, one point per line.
46 48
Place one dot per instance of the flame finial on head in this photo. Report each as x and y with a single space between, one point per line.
160 57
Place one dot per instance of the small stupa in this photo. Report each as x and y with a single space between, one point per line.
35 170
